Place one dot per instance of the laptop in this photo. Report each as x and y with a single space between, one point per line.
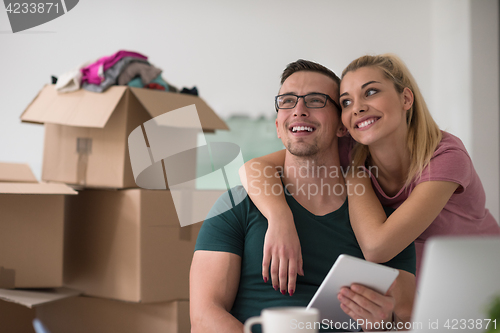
459 279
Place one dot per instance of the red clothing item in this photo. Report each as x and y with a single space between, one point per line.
465 213
94 73
155 86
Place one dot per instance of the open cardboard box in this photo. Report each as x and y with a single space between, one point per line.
128 245
86 133
61 310
99 315
17 307
32 224
15 318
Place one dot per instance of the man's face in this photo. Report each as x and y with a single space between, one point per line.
307 131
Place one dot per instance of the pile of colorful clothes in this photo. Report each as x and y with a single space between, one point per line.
121 68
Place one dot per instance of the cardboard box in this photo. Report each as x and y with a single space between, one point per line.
61 311
15 318
86 133
31 224
128 245
17 307
96 315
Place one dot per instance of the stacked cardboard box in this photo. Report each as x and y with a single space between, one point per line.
31 224
63 311
98 315
31 239
16 318
86 133
128 245
122 244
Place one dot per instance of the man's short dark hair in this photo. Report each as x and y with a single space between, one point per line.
306 65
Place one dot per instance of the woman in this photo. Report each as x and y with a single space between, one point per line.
407 163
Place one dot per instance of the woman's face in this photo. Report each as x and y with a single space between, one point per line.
372 110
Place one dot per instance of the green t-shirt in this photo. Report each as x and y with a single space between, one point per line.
241 230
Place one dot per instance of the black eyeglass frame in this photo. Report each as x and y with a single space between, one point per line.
304 97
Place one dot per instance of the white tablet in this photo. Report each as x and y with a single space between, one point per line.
346 271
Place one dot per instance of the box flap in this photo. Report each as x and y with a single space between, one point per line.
31 298
16 172
40 188
80 108
158 102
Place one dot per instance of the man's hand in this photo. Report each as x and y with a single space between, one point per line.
283 255
364 304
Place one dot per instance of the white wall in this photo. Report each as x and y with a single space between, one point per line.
451 87
465 87
234 52
485 103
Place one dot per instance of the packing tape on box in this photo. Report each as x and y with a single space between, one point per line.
83 149
7 278
164 153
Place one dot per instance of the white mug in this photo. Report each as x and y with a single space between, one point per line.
286 320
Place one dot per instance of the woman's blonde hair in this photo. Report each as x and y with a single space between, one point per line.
423 132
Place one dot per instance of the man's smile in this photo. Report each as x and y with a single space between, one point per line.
301 128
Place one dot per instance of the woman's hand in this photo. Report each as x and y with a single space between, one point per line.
367 307
282 254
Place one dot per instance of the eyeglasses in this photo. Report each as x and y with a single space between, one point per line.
312 101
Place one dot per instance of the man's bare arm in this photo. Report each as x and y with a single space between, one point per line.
214 280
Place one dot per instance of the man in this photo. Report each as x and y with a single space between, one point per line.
226 284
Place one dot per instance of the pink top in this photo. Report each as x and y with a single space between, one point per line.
94 73
465 212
